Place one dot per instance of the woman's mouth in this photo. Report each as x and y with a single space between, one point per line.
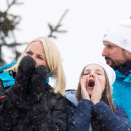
91 84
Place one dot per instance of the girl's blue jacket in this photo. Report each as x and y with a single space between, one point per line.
79 115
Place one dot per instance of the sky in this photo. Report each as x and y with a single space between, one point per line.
85 22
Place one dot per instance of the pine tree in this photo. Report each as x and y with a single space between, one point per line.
8 24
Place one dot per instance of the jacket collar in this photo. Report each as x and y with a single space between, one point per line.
123 77
6 78
71 96
119 75
7 66
125 68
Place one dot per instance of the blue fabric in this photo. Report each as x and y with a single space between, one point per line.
47 81
122 92
7 66
5 76
7 79
79 116
70 95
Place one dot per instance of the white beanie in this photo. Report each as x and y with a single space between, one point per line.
109 71
120 34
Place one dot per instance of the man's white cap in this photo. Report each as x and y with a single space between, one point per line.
109 71
120 34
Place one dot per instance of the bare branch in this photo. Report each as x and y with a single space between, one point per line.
55 29
12 44
9 5
62 17
62 31
52 36
50 27
14 2
8 23
7 1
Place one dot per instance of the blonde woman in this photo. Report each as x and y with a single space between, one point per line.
91 107
27 101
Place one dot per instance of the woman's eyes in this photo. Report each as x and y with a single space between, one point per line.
40 58
28 53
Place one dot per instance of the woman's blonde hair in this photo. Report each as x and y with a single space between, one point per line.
106 95
54 63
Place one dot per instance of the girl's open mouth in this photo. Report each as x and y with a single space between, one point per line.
91 84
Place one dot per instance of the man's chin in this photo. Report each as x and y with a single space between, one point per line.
108 62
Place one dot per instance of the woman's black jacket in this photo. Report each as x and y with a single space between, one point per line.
17 114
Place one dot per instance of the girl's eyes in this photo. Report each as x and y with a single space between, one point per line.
89 73
86 74
98 74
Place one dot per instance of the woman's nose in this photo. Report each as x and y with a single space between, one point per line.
33 57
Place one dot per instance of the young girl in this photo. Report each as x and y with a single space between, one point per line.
91 107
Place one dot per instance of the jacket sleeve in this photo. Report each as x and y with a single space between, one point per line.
2 92
79 118
109 120
46 118
12 108
8 113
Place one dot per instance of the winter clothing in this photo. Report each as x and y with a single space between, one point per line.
122 32
5 77
120 35
7 66
27 86
30 104
109 71
124 68
83 116
122 88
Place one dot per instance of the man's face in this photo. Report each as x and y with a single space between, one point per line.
114 55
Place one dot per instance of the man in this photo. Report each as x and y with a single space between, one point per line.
117 53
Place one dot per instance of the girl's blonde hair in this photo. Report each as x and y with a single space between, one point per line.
54 63
106 95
